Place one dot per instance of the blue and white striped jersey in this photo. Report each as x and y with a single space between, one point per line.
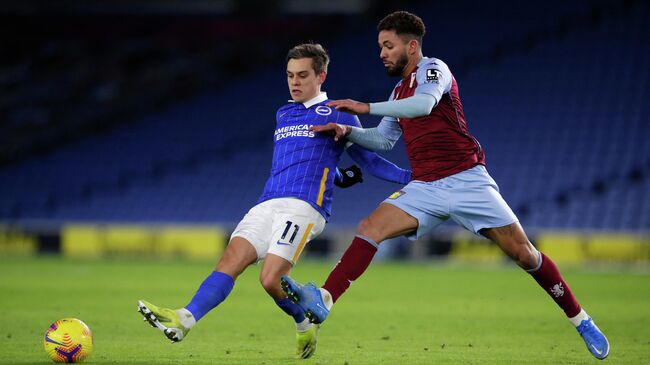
304 162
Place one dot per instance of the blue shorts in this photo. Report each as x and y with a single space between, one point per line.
471 198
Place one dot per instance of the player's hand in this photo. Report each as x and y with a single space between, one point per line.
350 176
350 106
339 131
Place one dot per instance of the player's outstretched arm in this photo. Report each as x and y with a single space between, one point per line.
378 166
339 131
380 138
350 106
414 106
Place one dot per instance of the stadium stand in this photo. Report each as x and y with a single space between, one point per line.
556 98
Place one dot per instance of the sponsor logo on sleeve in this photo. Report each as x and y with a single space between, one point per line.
434 75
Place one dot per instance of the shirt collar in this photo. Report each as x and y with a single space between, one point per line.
313 101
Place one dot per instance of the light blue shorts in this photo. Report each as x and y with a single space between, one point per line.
471 198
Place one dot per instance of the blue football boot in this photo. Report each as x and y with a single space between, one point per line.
308 297
594 338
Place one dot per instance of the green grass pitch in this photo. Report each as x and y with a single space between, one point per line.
396 314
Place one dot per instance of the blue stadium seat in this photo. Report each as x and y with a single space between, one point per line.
556 119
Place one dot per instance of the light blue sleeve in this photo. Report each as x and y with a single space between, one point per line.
433 81
433 78
412 107
380 138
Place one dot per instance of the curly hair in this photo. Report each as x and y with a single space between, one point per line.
404 24
315 51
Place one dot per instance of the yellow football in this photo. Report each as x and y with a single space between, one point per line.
68 340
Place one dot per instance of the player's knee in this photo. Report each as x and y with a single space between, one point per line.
368 229
267 282
270 283
526 256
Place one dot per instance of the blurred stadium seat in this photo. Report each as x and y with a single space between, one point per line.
556 93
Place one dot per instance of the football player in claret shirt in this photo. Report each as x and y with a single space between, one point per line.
449 179
294 206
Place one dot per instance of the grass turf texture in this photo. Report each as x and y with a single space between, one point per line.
395 314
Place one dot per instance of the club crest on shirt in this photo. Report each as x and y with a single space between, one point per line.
433 75
323 110
396 194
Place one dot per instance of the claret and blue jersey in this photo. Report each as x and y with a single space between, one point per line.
304 162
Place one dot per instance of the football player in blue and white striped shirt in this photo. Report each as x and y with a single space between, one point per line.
294 206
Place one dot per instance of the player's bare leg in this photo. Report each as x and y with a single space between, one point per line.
175 324
238 256
273 269
514 243
387 221
306 333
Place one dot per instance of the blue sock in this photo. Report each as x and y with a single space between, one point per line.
291 309
214 289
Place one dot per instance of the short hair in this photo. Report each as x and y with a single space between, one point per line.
315 51
403 23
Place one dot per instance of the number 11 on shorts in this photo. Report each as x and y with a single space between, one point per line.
294 233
